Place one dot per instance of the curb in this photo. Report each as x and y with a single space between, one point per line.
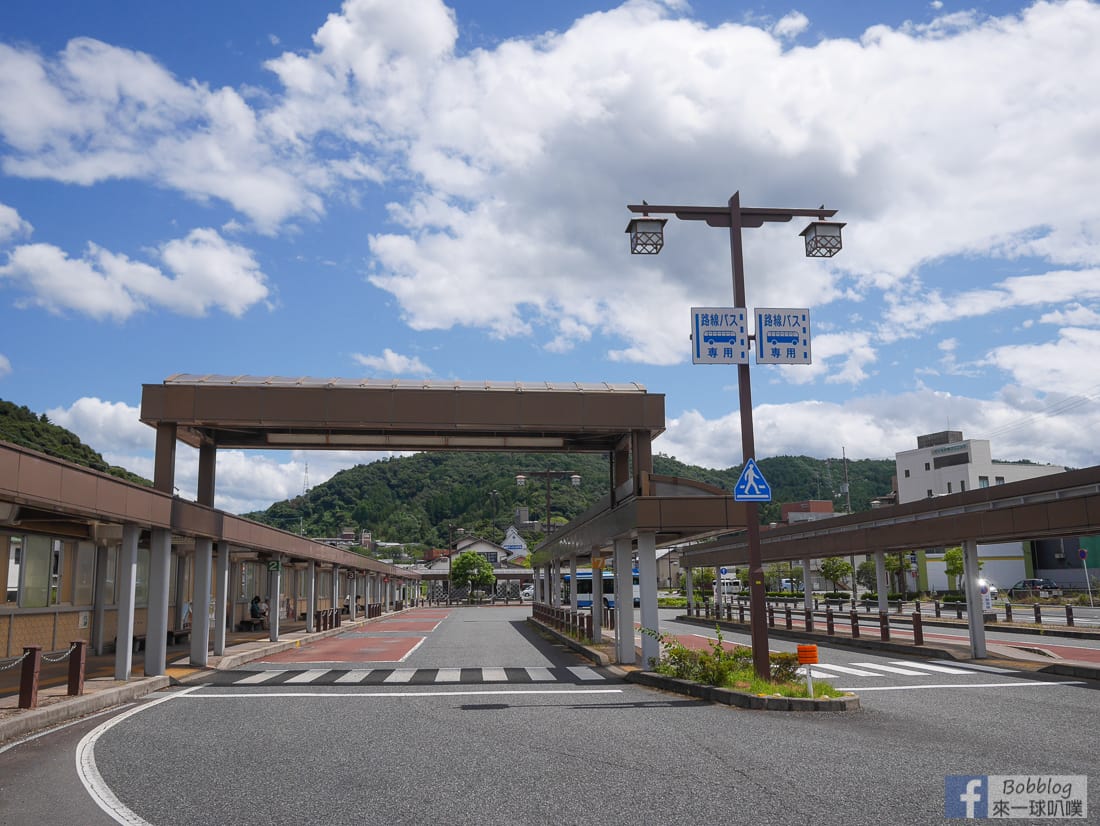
742 699
1080 671
597 657
72 708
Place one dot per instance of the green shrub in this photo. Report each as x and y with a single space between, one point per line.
837 595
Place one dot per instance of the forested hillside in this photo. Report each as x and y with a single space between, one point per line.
415 498
21 426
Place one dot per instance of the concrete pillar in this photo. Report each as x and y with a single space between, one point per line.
624 603
221 598
353 595
335 587
597 601
200 601
573 583
156 623
311 595
207 463
99 602
719 597
975 614
555 583
127 580
647 586
164 460
689 585
882 582
807 586
275 601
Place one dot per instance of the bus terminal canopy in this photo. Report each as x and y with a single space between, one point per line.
309 414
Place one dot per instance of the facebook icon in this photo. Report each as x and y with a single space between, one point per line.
965 795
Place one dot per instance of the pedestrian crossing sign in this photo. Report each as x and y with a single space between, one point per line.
752 486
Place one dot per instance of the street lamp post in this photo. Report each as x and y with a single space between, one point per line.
822 240
574 480
452 531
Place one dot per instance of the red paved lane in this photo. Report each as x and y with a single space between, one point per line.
384 641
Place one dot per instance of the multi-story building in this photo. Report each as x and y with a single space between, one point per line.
945 463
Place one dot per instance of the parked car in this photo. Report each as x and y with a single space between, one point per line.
1035 588
527 592
992 588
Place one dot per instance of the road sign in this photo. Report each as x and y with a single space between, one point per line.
273 565
782 335
723 571
1083 553
807 655
719 335
752 486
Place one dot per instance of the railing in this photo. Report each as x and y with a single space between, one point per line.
31 662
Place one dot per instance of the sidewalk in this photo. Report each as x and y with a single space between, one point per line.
102 690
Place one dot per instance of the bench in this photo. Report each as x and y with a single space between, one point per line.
251 624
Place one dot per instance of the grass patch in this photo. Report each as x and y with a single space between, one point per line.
733 668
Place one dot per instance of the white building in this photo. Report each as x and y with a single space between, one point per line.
945 463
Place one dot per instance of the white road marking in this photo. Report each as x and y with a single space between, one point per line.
259 677
1018 684
354 676
448 675
539 674
411 650
494 675
939 669
342 694
889 669
992 669
583 672
843 669
307 676
400 675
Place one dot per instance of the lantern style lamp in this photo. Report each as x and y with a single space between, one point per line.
647 235
822 239
575 480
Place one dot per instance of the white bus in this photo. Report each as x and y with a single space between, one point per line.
584 589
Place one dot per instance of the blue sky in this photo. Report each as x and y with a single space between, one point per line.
439 191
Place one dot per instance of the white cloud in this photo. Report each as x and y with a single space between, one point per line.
205 272
1059 365
5 366
791 25
393 363
11 225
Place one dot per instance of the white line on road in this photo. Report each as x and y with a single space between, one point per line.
307 676
342 694
939 669
400 675
889 669
992 669
354 676
583 672
1018 684
843 669
449 675
494 675
409 652
539 674
259 677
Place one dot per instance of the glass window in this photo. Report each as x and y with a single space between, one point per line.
110 577
36 572
962 485
907 473
1000 480
983 481
949 487
84 574
15 565
927 466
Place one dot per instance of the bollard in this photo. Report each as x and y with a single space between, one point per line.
28 677
884 625
829 628
740 612
1008 611
809 620
77 658
1038 614
936 608
916 605
855 624
958 610
1069 615
787 617
901 606
771 616
918 629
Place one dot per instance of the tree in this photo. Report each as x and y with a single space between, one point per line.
835 569
702 579
953 566
866 575
472 569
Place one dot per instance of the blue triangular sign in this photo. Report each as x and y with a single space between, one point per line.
752 486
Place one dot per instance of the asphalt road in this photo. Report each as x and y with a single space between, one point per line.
484 725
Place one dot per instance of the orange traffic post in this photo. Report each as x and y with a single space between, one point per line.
807 656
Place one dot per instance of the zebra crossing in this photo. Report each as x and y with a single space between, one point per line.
574 674
902 668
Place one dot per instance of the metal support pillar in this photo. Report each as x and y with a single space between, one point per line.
127 580
156 618
882 583
221 598
624 603
311 596
975 614
200 601
275 602
647 593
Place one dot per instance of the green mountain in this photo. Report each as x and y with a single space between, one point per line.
414 499
22 427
